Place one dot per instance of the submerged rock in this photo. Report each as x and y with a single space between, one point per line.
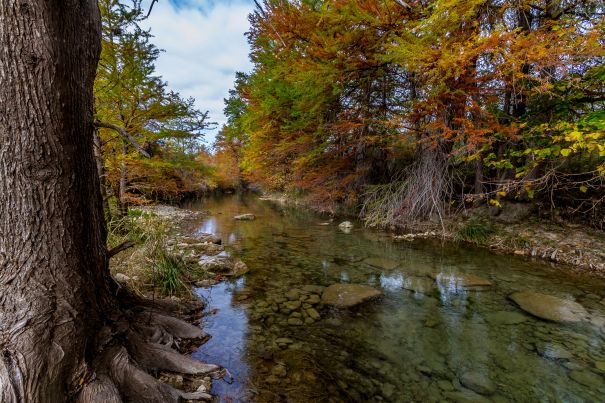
348 295
245 217
381 263
506 318
553 351
478 382
550 308
461 281
418 284
587 378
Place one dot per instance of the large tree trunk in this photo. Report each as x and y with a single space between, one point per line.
53 269
58 310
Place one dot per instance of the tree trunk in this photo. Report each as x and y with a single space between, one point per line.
64 335
53 267
122 201
101 173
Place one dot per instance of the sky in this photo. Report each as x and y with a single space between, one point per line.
204 45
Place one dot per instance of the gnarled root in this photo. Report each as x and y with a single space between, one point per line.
138 344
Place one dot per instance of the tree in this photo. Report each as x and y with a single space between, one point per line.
67 331
149 135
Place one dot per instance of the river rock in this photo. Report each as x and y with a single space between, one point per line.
279 370
461 281
348 295
549 307
588 379
345 225
245 217
121 278
313 299
225 265
293 294
295 322
313 314
292 305
553 351
381 263
315 289
418 284
478 382
505 318
209 238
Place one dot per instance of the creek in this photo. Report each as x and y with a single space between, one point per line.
423 340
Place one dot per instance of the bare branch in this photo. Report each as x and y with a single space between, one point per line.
150 8
123 246
124 134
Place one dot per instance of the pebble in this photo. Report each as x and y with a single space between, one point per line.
478 382
279 370
295 322
313 314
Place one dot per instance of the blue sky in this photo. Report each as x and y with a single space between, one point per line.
204 45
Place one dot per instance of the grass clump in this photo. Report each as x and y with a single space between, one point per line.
151 264
170 269
475 230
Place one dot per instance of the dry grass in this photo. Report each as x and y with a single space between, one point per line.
150 264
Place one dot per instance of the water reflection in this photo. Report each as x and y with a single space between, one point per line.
444 330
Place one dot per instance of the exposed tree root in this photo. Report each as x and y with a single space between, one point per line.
140 343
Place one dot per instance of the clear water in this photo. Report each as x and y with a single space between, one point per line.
405 346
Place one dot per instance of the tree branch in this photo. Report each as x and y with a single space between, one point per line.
124 134
123 246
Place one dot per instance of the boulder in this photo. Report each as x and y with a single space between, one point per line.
348 295
550 308
460 281
381 263
245 217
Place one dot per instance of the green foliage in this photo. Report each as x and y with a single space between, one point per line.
129 95
170 270
475 230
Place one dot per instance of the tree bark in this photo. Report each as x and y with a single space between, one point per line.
66 330
53 266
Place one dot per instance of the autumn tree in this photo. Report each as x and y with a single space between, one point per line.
149 135
413 109
67 330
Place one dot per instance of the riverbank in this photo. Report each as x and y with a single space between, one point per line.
169 257
516 231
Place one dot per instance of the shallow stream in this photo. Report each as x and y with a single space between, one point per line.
421 341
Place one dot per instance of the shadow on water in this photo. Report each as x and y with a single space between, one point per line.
424 340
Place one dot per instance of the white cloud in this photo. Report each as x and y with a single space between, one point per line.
204 47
